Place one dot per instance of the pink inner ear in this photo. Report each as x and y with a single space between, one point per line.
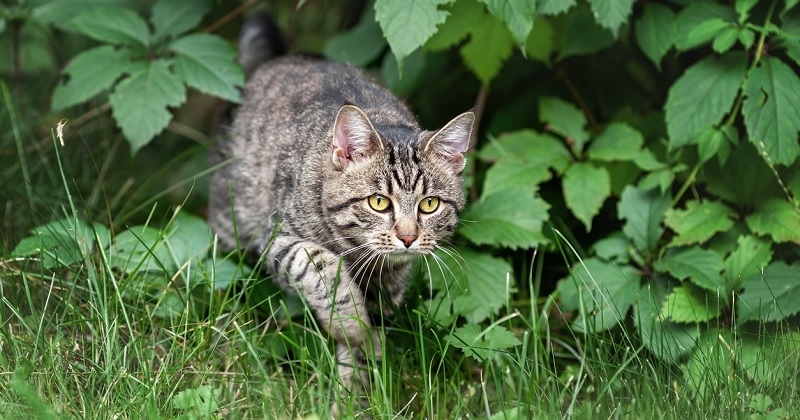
353 135
453 139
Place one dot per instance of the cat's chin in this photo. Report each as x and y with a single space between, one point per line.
404 256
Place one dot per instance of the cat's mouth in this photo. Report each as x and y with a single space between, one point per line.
405 255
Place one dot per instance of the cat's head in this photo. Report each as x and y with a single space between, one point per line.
400 190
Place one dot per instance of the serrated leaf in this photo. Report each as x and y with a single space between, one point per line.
772 295
706 30
772 109
360 45
489 46
586 187
698 222
481 345
618 142
700 266
408 24
705 16
642 211
59 13
564 119
749 258
202 402
743 8
731 183
139 102
611 14
709 142
464 14
141 249
724 40
747 38
654 31
602 291
661 179
516 14
174 17
665 339
702 96
90 73
582 35
554 7
207 63
515 172
530 145
113 25
612 248
777 218
511 218
687 304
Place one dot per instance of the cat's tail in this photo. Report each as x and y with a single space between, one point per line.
259 41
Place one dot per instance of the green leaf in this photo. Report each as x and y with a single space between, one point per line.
743 8
408 24
464 15
201 402
699 222
207 63
586 187
731 183
539 45
794 187
554 7
747 38
190 238
749 258
113 25
777 218
702 96
141 249
665 339
765 358
361 44
612 248
481 345
696 23
699 266
539 148
90 73
710 367
643 212
582 36
661 179
174 17
611 14
59 243
516 14
564 119
725 39
139 102
511 218
515 172
772 109
59 13
688 304
489 46
654 31
772 295
706 31
618 142
713 142
602 291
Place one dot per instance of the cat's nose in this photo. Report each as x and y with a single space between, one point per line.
407 239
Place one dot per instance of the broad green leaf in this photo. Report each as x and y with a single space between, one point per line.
536 147
692 26
617 142
554 7
614 247
113 25
707 30
772 295
471 284
140 249
742 187
59 12
207 63
223 272
190 238
698 222
516 14
772 109
777 218
712 141
611 14
710 367
643 212
511 218
654 31
602 291
408 24
515 172
743 9
747 37
661 179
489 46
665 339
702 96
139 102
582 35
700 266
749 258
481 345
90 73
464 15
688 304
765 358
361 44
539 45
59 243
202 402
565 119
174 17
646 161
586 187
725 39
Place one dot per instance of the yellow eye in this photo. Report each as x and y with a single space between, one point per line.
379 202
429 204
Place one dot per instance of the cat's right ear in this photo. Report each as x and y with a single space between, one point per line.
354 137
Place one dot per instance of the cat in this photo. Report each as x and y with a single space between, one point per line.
333 184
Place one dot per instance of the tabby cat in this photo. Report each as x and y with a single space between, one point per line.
333 183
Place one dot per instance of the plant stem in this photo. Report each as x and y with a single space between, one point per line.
689 181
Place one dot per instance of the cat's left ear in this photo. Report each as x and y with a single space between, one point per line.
354 136
452 140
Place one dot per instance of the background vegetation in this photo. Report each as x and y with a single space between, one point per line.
630 248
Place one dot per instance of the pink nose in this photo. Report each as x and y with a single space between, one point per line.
407 239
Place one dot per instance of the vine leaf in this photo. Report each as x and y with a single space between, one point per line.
511 218
92 72
206 63
701 267
654 31
642 211
698 222
464 15
687 304
516 14
564 119
174 17
113 25
772 295
777 218
772 109
554 7
586 187
618 142
611 14
489 46
692 27
749 258
665 339
408 24
481 345
582 35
